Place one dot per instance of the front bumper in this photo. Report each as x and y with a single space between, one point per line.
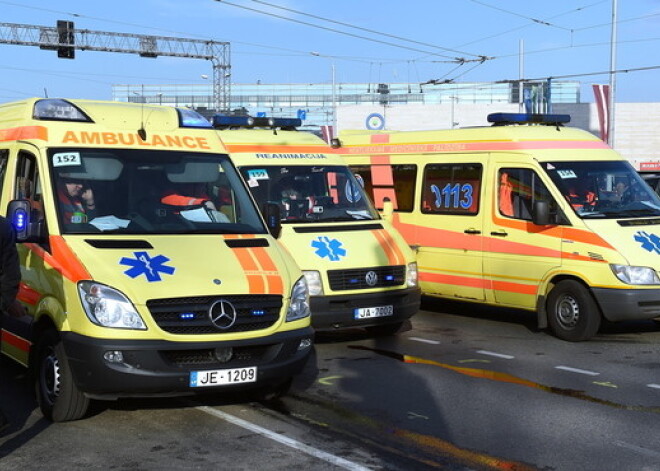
628 304
336 312
162 368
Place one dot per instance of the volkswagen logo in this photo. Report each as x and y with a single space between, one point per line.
222 314
371 278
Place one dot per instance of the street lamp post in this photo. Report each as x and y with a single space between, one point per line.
612 100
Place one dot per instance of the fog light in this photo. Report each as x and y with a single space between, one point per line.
305 343
114 356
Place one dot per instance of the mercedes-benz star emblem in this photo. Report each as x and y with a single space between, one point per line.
222 314
371 278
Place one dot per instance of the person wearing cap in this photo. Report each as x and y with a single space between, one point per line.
10 277
76 201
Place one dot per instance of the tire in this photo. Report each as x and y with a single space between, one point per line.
573 314
58 397
384 330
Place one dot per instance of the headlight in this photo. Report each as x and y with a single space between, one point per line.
636 275
108 307
411 275
314 282
299 307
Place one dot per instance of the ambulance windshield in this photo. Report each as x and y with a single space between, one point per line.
307 193
150 192
603 189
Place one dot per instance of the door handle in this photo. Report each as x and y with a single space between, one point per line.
499 233
472 231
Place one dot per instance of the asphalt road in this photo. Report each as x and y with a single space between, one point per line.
462 387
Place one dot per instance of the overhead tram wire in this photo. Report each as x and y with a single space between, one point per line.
387 43
367 30
573 10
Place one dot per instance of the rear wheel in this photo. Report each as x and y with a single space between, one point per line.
58 397
573 314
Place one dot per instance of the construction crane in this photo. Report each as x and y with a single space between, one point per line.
65 39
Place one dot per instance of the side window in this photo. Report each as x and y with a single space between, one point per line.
27 183
451 189
402 176
518 189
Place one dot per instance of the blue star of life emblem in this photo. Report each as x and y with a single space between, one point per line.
650 242
328 248
145 265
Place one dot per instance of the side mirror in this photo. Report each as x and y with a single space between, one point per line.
272 214
388 209
541 213
19 213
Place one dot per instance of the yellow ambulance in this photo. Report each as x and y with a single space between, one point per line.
359 270
128 294
525 213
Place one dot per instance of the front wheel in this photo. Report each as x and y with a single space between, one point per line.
573 314
58 397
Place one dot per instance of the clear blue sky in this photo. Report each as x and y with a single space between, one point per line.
420 40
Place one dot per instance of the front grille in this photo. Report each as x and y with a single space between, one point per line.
357 278
245 355
190 316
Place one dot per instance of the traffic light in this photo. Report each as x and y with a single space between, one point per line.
65 36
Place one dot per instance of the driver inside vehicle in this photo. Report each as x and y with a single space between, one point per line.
76 201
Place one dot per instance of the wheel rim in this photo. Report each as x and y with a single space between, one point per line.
568 312
50 377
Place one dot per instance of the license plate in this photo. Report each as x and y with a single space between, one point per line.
369 312
226 377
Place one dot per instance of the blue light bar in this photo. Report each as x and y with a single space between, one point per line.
528 118
224 121
187 316
192 119
20 220
56 109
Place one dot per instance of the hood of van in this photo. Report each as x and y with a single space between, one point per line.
636 240
171 266
333 246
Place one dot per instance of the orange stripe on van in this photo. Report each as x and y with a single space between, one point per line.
15 341
394 254
563 232
61 259
275 283
255 280
283 149
27 294
24 132
455 280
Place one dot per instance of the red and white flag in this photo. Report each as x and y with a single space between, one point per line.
327 133
602 95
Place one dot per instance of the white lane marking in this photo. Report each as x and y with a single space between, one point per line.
638 449
494 354
577 370
654 386
419 339
330 458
